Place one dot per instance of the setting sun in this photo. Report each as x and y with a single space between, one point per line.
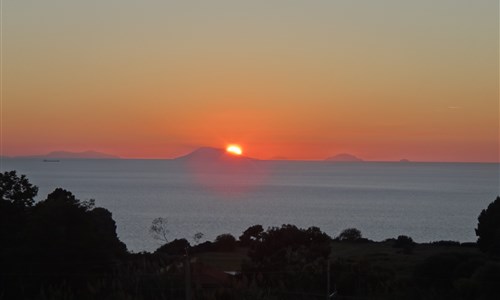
234 149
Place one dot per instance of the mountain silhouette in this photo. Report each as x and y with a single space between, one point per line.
344 157
74 155
212 155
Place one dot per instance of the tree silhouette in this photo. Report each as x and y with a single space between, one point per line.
16 198
175 247
60 239
405 243
74 228
225 242
17 189
159 229
289 258
197 237
278 244
253 233
488 228
350 235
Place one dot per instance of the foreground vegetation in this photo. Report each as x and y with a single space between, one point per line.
64 248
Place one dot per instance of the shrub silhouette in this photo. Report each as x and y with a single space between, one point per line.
488 228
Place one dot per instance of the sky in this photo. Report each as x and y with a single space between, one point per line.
383 80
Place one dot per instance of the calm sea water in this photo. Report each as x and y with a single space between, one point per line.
427 201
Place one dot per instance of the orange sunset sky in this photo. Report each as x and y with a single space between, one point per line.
383 80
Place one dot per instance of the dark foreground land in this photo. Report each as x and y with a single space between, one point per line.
64 248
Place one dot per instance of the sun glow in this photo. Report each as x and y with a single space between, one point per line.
234 149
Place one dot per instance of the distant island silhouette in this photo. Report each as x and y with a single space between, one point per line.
344 157
279 158
55 155
212 155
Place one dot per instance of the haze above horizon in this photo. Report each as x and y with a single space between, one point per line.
384 80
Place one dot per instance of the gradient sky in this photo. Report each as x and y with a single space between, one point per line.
383 80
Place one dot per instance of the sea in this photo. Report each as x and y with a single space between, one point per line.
426 201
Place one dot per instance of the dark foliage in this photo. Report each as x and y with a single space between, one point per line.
73 228
486 278
59 240
361 278
252 234
17 189
488 228
65 248
447 243
458 276
287 259
16 197
175 247
438 271
225 242
281 243
203 247
405 243
469 244
159 230
350 235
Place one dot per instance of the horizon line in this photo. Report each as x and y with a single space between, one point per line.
34 157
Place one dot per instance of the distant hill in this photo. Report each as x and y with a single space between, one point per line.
74 155
209 155
404 160
344 157
279 158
